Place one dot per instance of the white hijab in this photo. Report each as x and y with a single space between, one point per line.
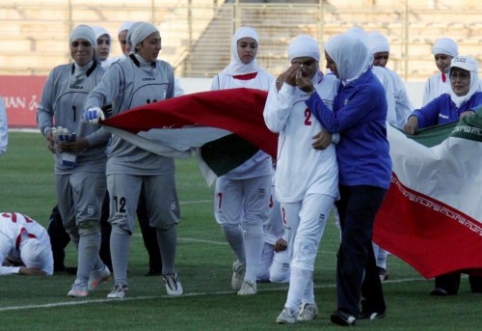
304 45
471 65
377 42
87 33
140 31
236 67
100 31
445 46
351 56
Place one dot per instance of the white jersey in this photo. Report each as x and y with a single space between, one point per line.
301 169
387 81
3 128
15 227
403 105
435 86
260 163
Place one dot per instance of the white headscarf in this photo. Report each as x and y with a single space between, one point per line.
139 32
34 254
351 56
83 32
304 45
236 67
445 46
471 65
377 42
87 33
125 26
129 37
360 34
100 31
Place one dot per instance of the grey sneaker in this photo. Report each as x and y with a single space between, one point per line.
287 316
79 289
248 288
98 277
173 284
119 292
308 312
239 270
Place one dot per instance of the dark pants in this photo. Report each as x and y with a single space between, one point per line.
357 274
451 283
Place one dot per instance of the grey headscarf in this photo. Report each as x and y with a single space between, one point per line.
139 32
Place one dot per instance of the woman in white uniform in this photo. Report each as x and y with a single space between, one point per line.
306 178
242 195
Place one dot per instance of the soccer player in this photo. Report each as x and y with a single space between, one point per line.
79 158
103 45
137 80
306 177
241 195
444 50
275 258
24 246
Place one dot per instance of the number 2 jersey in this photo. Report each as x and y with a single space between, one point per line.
301 169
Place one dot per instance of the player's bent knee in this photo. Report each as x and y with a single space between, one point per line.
88 228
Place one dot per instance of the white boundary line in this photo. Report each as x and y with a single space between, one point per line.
194 294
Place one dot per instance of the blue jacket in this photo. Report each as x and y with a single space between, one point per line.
359 115
442 110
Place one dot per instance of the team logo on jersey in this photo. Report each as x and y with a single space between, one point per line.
322 217
346 102
90 210
261 193
76 87
173 205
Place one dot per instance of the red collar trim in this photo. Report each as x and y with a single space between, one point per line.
246 76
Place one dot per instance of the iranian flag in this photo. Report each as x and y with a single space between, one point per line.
222 128
431 217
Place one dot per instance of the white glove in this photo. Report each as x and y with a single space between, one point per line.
93 115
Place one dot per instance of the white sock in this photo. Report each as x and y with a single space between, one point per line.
254 242
299 281
88 253
235 237
309 295
120 244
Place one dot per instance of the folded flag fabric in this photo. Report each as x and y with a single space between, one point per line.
224 128
431 217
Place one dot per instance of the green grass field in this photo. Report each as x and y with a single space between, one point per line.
204 265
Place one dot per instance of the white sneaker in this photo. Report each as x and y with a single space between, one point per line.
98 277
248 288
239 270
287 316
79 289
308 312
173 284
119 292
